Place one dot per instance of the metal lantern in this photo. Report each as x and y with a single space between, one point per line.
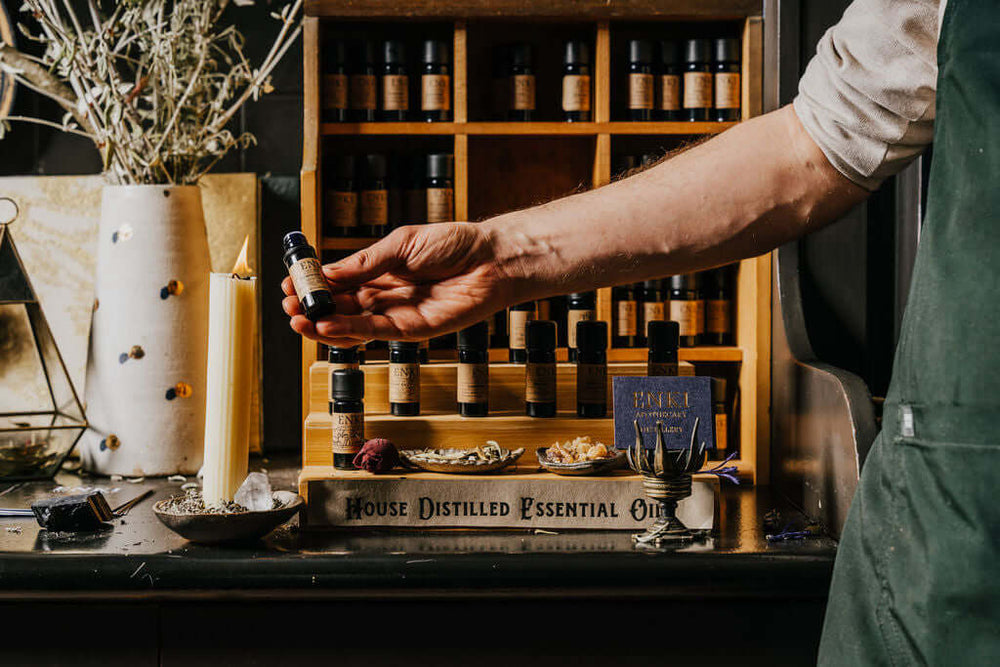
41 417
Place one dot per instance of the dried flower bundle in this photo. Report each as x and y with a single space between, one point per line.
153 83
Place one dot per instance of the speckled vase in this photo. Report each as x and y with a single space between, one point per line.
149 337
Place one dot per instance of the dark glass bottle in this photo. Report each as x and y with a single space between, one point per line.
726 70
518 318
498 333
592 369
414 191
720 413
540 369
347 411
474 371
652 308
374 196
404 378
335 85
717 291
662 339
576 82
521 78
435 82
626 316
364 84
315 297
697 81
684 306
669 106
395 82
340 198
340 359
440 187
640 80
580 307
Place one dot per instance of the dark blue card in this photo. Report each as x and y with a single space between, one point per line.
675 401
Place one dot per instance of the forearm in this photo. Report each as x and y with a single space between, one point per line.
745 192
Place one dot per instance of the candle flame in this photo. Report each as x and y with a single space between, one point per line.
241 268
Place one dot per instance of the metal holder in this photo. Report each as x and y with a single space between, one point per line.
666 477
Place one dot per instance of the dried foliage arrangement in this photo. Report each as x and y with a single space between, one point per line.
153 83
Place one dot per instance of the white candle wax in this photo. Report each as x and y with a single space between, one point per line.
231 323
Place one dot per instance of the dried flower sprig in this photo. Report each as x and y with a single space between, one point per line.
153 83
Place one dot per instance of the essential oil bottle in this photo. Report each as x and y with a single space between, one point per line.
440 187
424 351
374 196
662 339
640 80
521 76
685 303
414 190
474 371
347 411
364 84
721 419
404 378
576 82
592 369
498 332
335 84
670 81
315 297
580 307
697 81
395 82
435 82
340 198
626 316
340 359
718 295
518 318
540 370
653 308
726 68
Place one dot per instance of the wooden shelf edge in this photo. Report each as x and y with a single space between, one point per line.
350 243
536 128
575 10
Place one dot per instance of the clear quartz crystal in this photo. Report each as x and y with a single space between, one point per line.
255 493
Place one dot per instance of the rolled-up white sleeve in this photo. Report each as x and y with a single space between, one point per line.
867 96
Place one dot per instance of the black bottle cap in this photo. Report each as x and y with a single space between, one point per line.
364 52
347 384
682 282
293 240
592 335
336 54
696 51
726 50
374 167
343 167
640 51
441 165
663 335
577 53
527 306
521 55
649 285
476 337
587 297
718 390
670 52
393 52
342 355
404 345
415 171
719 279
540 335
436 53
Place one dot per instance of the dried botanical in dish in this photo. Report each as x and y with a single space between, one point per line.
487 458
579 450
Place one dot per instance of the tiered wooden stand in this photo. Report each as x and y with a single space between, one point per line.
501 166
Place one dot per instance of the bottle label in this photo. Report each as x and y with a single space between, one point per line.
440 205
574 316
363 92
717 318
700 316
721 432
670 92
540 383
697 90
652 311
348 432
307 276
518 333
335 91
640 91
592 384
374 207
657 369
627 325
576 92
435 92
685 313
404 383
727 90
343 207
395 92
473 383
522 92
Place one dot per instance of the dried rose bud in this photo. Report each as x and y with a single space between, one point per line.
377 455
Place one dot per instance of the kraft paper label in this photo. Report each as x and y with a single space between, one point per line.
307 276
717 318
574 316
670 92
335 91
721 441
661 369
435 92
627 313
640 91
440 205
576 92
348 432
522 92
395 92
518 334
592 383
374 207
727 90
685 313
653 311
473 383
404 383
363 92
697 90
343 208
540 383
700 316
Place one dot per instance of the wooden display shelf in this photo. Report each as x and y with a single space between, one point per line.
500 128
346 243
576 10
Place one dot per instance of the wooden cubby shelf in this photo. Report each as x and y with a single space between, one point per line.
498 128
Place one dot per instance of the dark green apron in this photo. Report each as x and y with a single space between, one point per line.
917 577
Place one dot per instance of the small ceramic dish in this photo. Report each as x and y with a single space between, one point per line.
461 461
595 467
208 528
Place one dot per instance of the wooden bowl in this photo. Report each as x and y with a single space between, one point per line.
411 457
242 527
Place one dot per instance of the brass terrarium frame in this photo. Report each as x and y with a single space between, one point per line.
33 442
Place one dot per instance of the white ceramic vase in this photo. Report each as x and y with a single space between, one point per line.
149 339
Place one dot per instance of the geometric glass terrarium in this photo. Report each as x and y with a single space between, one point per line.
41 417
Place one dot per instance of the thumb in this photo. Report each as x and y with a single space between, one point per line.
371 262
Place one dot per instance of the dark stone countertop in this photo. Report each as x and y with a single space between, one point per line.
140 558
